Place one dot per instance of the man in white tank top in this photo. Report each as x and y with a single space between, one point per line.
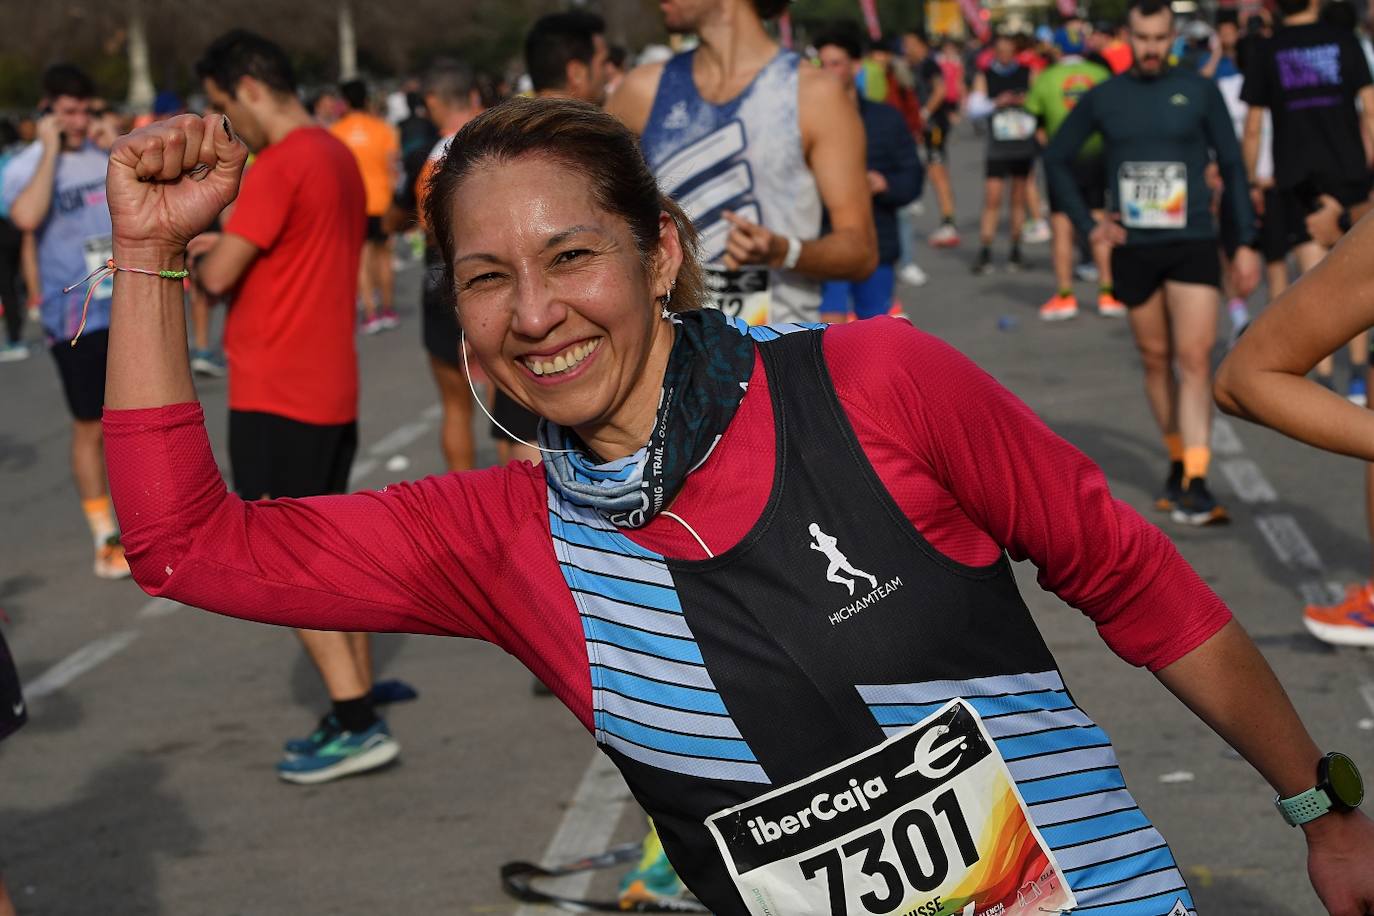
754 143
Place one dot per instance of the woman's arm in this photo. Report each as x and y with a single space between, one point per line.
1264 377
1230 686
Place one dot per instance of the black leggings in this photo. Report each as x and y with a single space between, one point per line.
11 244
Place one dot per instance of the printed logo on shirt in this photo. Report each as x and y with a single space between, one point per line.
1304 68
1178 98
677 117
840 571
1179 909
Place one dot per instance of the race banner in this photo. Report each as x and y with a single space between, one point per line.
870 10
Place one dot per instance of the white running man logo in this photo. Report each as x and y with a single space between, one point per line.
838 562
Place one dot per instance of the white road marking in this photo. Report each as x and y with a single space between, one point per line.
158 607
1224 438
1367 691
1248 480
586 828
78 663
1288 541
400 437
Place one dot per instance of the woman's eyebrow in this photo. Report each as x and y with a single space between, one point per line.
561 237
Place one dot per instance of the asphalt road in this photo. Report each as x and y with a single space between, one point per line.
144 782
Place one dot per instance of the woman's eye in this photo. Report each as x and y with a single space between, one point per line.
479 280
575 254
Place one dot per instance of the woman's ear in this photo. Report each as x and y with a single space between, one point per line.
669 255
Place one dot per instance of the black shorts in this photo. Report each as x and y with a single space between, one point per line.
375 232
935 138
1091 178
1297 205
1271 237
1009 168
82 369
513 417
438 318
13 713
1138 271
272 455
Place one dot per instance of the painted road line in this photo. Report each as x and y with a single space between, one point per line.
1224 438
1248 480
158 607
78 663
1315 591
586 828
1288 541
400 437
1367 691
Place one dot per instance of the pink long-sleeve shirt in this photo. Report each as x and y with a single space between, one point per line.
470 554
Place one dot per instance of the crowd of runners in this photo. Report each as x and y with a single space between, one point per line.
1177 173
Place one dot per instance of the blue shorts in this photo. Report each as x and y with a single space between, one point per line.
869 297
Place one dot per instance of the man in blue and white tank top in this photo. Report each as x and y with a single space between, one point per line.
754 143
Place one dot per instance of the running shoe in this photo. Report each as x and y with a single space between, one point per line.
206 363
1108 306
1357 392
389 319
1059 308
393 690
328 729
1087 272
344 754
945 237
982 265
1173 488
1198 507
13 352
912 275
652 879
1036 232
110 562
1347 623
373 325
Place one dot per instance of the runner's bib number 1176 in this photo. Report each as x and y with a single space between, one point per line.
928 823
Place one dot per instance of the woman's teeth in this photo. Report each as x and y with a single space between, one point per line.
568 359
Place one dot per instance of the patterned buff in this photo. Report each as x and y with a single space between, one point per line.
707 376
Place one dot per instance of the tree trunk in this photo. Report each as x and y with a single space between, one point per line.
140 74
348 43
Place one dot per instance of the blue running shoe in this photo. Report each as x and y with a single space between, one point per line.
325 732
393 690
345 754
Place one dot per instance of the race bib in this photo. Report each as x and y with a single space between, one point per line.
98 250
928 823
1153 195
741 293
1012 124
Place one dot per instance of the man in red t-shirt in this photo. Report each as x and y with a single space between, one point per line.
288 258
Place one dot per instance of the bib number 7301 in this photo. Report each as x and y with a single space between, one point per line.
922 859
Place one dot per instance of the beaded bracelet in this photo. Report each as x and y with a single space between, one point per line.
100 274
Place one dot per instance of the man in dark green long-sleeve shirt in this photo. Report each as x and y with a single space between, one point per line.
1161 129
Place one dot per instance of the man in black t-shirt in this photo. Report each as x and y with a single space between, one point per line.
1313 79
932 93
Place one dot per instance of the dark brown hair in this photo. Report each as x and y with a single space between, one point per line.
587 141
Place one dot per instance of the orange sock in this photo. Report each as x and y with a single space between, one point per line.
1195 461
1174 443
100 517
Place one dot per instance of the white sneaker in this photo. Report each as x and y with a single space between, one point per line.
13 353
1036 232
912 275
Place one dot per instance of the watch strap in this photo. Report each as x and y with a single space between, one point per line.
1303 807
794 247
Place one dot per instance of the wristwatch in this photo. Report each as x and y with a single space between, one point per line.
1339 788
794 248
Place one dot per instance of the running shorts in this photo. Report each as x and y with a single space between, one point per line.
1091 179
271 455
935 138
1009 168
13 713
438 317
1272 235
82 369
1296 206
1138 271
375 232
513 417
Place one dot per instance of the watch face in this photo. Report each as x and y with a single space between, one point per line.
1344 780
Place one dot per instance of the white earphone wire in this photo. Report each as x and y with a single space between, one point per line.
463 349
690 530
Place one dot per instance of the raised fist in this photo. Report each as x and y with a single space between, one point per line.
168 181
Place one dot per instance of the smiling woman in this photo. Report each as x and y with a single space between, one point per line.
687 570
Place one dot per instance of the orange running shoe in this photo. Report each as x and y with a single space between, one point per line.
1108 306
110 562
1348 623
1059 308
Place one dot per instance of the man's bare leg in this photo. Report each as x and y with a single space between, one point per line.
455 429
1150 328
1192 309
385 273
